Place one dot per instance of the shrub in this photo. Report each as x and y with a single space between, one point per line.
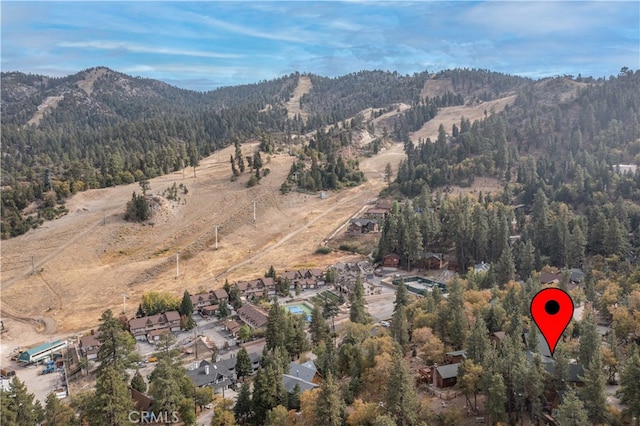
323 250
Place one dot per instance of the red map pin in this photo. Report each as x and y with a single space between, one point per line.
552 310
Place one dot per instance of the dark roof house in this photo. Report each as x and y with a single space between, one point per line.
253 316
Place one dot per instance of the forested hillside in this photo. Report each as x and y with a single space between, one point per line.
100 128
558 160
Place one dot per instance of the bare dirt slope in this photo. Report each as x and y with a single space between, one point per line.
49 103
439 87
449 116
83 267
87 83
293 106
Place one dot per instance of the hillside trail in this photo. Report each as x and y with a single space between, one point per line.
293 105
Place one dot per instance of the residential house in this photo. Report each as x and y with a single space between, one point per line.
220 295
379 215
304 375
391 261
431 260
269 285
542 347
217 376
380 211
222 374
141 402
209 311
445 376
253 316
232 327
362 226
348 273
90 344
141 327
481 267
455 357
213 297
497 337
549 278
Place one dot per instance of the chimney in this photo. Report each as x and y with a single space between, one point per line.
206 369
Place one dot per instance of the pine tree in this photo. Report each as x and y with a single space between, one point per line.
400 327
318 328
243 409
329 405
112 401
294 398
357 312
244 367
457 326
589 338
535 385
223 310
505 269
560 367
117 346
402 297
593 392
268 390
18 406
57 413
469 380
165 386
138 383
276 333
629 392
234 169
400 397
577 245
239 159
571 412
296 342
495 392
388 173
186 306
478 345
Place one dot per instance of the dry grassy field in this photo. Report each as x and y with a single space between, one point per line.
87 260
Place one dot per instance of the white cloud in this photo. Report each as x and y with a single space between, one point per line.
292 34
137 48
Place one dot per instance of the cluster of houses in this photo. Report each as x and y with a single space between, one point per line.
222 375
446 375
150 328
372 219
348 273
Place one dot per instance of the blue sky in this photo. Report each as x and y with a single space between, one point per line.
205 45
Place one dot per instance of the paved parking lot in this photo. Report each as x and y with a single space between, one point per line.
38 384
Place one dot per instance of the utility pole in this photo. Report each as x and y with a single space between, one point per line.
254 211
182 166
177 265
195 342
124 298
216 237
33 265
104 217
